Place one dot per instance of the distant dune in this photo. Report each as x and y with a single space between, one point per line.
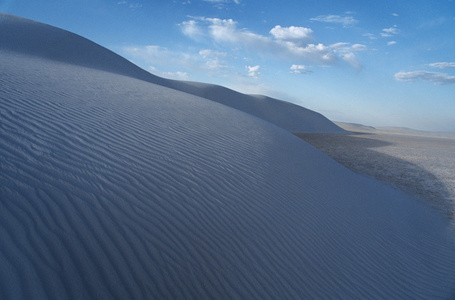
393 130
114 186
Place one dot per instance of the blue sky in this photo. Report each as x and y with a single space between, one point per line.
377 63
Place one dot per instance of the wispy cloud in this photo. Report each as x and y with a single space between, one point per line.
391 31
171 75
391 43
299 69
291 43
346 52
159 56
221 3
213 59
346 21
443 65
436 77
370 36
433 23
131 5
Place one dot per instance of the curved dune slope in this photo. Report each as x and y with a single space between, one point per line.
116 188
33 38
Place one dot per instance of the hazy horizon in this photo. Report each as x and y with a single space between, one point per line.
381 64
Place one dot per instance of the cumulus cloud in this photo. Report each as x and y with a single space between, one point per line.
443 65
391 31
440 78
284 42
346 21
253 71
297 34
299 69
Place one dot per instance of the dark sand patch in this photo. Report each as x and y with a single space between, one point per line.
419 165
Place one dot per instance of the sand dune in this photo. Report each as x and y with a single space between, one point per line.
116 188
32 38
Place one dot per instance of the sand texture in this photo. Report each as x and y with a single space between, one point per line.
423 166
114 187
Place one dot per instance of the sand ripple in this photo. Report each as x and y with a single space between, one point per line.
114 188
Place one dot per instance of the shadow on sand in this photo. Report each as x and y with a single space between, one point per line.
359 152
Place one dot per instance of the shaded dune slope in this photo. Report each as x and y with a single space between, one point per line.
115 188
33 38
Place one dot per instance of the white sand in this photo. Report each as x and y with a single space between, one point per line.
423 166
113 187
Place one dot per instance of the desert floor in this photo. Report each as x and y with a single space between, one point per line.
423 166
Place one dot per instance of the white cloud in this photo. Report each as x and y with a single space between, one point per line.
395 15
165 58
175 75
346 21
285 42
299 69
346 52
351 60
345 47
190 28
443 65
298 34
388 32
253 71
440 78
391 43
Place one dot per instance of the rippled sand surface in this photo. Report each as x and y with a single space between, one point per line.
423 166
117 188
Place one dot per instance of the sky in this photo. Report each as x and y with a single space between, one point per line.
378 63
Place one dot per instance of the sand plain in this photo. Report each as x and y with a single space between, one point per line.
418 164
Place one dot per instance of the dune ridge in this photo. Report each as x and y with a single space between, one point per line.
113 187
34 38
